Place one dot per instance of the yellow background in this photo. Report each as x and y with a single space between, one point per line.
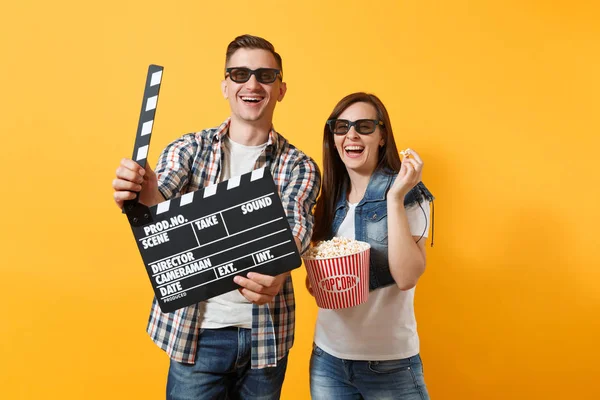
500 98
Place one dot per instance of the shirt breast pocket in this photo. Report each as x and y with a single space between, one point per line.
376 223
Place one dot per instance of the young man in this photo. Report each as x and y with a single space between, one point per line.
234 345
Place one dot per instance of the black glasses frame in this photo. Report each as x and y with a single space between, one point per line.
256 72
355 124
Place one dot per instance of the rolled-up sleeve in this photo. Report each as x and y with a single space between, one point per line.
174 165
299 197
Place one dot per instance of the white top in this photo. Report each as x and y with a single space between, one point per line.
382 328
231 309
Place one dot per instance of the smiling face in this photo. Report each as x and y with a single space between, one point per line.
253 102
359 153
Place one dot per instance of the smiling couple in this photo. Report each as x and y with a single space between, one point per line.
235 346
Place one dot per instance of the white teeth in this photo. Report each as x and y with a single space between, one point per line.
358 148
247 98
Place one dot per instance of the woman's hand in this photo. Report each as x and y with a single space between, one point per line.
309 287
410 174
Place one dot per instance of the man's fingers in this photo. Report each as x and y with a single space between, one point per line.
148 170
249 284
254 297
120 197
123 185
249 295
129 180
264 280
129 175
133 166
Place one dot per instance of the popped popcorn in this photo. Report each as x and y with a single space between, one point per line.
336 247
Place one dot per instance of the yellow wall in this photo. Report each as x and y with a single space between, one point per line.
501 100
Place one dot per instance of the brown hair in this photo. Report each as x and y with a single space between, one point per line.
335 176
252 42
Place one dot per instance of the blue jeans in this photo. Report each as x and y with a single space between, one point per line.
222 370
332 378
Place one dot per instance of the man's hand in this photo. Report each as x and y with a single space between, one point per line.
131 178
260 289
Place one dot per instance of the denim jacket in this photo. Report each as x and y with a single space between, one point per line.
371 223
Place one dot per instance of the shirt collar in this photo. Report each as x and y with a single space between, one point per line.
376 189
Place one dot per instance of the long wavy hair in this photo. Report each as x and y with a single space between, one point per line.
335 175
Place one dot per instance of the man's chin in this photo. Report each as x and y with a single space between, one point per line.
251 120
255 116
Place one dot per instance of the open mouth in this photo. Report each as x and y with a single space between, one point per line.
252 99
354 150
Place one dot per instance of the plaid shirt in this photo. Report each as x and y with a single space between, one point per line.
195 161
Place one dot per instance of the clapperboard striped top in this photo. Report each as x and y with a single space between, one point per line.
208 191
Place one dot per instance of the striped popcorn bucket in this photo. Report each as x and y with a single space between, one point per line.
339 282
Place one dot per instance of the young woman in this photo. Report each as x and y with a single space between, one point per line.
371 351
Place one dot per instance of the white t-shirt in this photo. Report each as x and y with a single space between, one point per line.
382 328
231 309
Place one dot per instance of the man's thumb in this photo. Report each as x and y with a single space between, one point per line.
149 172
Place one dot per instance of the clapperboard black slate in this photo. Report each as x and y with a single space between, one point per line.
193 245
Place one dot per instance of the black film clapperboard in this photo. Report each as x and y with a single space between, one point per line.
193 245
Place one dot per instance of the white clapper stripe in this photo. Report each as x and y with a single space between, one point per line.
233 182
156 77
163 207
186 199
147 128
210 190
142 153
257 174
151 103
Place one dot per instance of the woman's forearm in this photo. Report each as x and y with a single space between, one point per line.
406 259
